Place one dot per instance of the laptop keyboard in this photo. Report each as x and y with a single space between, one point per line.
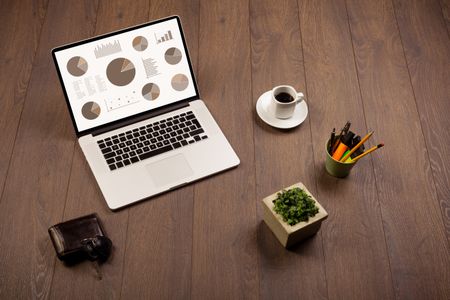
147 141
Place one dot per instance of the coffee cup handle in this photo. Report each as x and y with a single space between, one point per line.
300 98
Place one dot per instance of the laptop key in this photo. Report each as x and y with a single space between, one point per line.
115 147
190 117
173 140
146 143
142 138
166 142
179 138
186 136
119 152
110 161
109 155
133 147
132 153
183 142
112 167
152 147
196 132
134 159
204 137
196 123
146 149
176 145
159 144
108 143
106 150
119 164
102 145
139 151
155 152
197 138
126 162
128 143
125 156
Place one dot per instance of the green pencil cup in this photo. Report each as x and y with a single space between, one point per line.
336 168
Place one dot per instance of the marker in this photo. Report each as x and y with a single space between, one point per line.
367 152
341 135
344 158
343 145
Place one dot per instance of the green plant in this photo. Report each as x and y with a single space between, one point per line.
295 206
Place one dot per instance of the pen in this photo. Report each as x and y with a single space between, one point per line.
341 135
367 152
344 158
333 134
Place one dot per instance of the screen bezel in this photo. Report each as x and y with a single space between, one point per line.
110 34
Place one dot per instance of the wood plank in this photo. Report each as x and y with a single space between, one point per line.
445 6
427 50
277 59
224 258
355 253
159 243
35 190
418 252
84 196
20 39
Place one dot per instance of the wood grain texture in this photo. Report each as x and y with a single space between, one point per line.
356 260
19 41
445 6
85 197
36 186
382 64
277 59
159 243
419 255
224 255
427 49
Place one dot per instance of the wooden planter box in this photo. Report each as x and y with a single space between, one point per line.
289 235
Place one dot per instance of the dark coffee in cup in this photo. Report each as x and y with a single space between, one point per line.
284 97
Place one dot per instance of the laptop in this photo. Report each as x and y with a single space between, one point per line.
137 112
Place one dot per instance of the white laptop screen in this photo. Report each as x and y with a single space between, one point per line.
118 75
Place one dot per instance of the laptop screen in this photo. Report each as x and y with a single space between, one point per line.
125 73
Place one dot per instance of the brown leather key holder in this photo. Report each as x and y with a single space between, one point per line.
79 239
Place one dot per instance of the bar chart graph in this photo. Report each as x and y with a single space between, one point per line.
164 38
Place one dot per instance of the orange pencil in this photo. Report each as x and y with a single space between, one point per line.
344 158
367 152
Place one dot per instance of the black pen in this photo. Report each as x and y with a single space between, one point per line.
333 135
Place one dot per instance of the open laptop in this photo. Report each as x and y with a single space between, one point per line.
135 106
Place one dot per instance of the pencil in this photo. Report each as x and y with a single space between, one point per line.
367 152
344 158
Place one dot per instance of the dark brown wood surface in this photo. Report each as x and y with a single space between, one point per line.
384 65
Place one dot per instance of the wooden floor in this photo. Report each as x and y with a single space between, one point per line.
384 65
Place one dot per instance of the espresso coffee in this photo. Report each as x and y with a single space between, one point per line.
284 97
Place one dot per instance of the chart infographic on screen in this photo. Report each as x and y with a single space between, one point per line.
125 74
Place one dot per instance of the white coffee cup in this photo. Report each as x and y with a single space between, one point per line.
284 107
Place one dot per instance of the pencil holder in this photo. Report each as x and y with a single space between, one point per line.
336 168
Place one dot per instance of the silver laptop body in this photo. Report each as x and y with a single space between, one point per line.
136 109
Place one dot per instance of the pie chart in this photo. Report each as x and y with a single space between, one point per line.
173 56
91 110
140 43
180 82
77 66
120 71
150 91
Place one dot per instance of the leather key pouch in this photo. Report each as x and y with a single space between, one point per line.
75 240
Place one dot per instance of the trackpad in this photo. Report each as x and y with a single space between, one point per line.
169 170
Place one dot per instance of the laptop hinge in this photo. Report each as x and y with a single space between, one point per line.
139 118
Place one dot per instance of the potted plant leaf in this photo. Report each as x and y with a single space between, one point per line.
293 214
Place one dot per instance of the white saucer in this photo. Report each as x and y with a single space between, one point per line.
262 105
